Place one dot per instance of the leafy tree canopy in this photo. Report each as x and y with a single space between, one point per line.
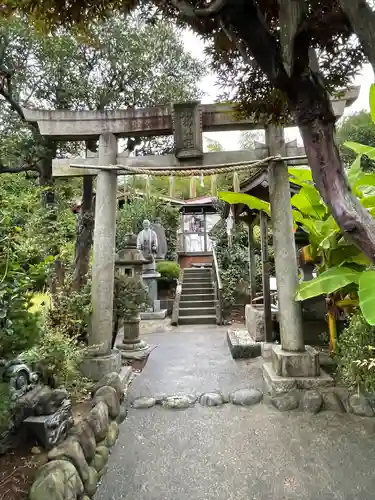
116 69
324 27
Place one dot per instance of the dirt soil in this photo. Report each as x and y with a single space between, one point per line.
18 469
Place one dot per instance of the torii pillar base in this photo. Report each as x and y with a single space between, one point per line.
95 367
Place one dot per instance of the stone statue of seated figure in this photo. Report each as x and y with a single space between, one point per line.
147 242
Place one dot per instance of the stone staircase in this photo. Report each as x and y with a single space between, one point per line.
197 302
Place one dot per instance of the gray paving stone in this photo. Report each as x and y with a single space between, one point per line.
144 402
246 397
286 402
359 405
211 399
312 401
177 402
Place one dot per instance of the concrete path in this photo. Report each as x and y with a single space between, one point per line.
231 452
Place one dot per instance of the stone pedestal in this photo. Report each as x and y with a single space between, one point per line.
241 345
295 364
131 346
254 320
150 281
95 367
289 371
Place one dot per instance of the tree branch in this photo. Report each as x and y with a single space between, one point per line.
291 15
13 104
189 11
247 21
16 170
362 20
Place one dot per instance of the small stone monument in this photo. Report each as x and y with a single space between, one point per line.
147 243
162 240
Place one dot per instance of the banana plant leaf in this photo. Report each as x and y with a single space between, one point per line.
309 202
368 201
372 102
245 199
328 282
355 171
300 176
361 149
366 294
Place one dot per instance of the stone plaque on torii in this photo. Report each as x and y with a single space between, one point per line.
186 122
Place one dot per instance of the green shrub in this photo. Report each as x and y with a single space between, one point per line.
71 310
19 327
130 297
5 405
355 355
168 270
58 357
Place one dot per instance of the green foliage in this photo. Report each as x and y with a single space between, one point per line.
251 201
234 262
341 264
327 282
356 354
71 310
355 128
19 328
130 297
5 405
133 213
59 357
340 57
168 270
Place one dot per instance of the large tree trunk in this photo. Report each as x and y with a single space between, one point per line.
316 122
85 228
308 102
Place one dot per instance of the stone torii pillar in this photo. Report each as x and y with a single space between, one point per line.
290 317
293 365
102 359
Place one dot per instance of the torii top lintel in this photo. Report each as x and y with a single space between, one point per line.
155 121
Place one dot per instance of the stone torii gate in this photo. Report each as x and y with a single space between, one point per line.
186 121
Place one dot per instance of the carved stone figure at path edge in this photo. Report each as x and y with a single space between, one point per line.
147 242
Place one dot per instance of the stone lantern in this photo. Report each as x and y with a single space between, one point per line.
130 262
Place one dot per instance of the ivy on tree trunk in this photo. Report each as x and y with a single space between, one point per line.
85 228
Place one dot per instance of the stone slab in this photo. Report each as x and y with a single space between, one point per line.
254 321
295 364
241 345
266 350
152 315
96 367
275 384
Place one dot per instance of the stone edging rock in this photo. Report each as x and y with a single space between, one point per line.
242 397
76 465
337 399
